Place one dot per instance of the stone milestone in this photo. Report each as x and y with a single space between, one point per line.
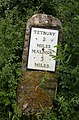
38 84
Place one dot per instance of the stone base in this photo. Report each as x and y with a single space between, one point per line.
36 91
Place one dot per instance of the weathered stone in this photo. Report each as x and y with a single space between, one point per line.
36 89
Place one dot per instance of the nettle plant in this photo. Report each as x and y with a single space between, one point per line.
11 34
